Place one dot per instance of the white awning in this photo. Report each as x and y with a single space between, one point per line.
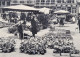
61 12
21 7
79 9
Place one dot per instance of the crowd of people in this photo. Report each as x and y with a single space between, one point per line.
20 20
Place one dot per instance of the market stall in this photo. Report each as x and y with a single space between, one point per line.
22 8
61 16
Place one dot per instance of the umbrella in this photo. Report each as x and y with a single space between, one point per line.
61 12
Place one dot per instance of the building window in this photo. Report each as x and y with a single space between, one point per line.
74 10
3 3
69 9
8 3
0 3
37 1
72 1
52 1
68 1
63 8
21 1
42 0
29 1
58 8
58 1
14 1
63 1
47 2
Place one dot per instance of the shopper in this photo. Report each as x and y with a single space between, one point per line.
20 30
79 23
34 27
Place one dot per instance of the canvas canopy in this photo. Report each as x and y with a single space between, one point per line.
61 12
79 10
44 10
20 8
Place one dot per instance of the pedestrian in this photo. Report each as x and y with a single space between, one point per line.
73 20
4 16
20 30
62 21
34 27
10 16
15 20
79 23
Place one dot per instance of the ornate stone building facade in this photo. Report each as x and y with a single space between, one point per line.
25 2
4 3
69 5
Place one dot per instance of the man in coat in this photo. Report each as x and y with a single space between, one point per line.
20 30
79 23
34 27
